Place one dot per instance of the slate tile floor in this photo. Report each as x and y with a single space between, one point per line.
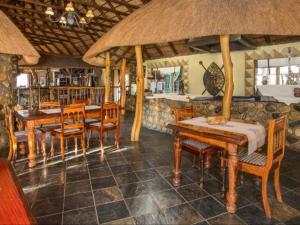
134 186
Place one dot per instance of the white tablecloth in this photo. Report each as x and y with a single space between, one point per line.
51 111
255 133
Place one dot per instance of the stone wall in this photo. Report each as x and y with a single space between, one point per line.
7 79
159 112
8 70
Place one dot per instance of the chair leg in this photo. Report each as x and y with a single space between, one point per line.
83 143
265 195
242 178
223 174
201 159
117 138
101 142
52 145
14 156
194 160
89 138
277 184
44 145
62 148
76 144
10 154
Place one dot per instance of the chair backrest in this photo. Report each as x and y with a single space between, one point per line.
82 101
72 117
49 105
276 140
10 123
183 114
110 113
6 114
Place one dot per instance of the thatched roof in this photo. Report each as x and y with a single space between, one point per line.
162 21
13 42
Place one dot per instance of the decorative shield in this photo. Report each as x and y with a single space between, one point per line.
213 79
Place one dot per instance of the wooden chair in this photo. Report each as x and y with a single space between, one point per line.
109 120
49 105
82 101
72 126
261 165
16 137
195 147
48 128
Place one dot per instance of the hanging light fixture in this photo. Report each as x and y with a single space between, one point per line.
70 16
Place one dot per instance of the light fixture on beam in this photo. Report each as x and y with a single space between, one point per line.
70 17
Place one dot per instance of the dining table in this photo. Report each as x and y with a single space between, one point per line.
42 117
228 137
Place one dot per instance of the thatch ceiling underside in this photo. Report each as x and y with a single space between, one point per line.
52 39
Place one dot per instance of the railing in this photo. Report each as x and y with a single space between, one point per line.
68 95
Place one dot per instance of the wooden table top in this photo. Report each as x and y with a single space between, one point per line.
14 208
226 136
25 115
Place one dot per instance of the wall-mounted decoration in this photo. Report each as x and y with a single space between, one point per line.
213 79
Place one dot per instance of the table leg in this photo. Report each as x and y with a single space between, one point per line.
232 177
31 141
177 162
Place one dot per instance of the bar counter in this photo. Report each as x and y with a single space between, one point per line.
159 111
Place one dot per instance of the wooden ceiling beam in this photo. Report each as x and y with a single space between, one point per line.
35 35
114 9
173 48
42 27
94 5
44 19
158 50
123 54
124 3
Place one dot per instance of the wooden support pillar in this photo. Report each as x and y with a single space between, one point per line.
123 87
224 40
107 77
135 132
277 75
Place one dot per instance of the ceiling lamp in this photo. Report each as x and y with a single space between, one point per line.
70 17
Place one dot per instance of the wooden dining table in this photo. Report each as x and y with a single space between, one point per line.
226 140
43 117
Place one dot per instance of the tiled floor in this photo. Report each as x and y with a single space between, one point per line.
133 186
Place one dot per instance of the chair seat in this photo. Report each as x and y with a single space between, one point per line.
91 120
98 124
51 125
68 131
195 144
254 158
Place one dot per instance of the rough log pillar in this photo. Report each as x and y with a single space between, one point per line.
107 77
135 132
123 87
224 40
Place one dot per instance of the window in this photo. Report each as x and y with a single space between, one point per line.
280 71
22 80
165 80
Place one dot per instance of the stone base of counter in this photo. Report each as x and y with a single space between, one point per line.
159 112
